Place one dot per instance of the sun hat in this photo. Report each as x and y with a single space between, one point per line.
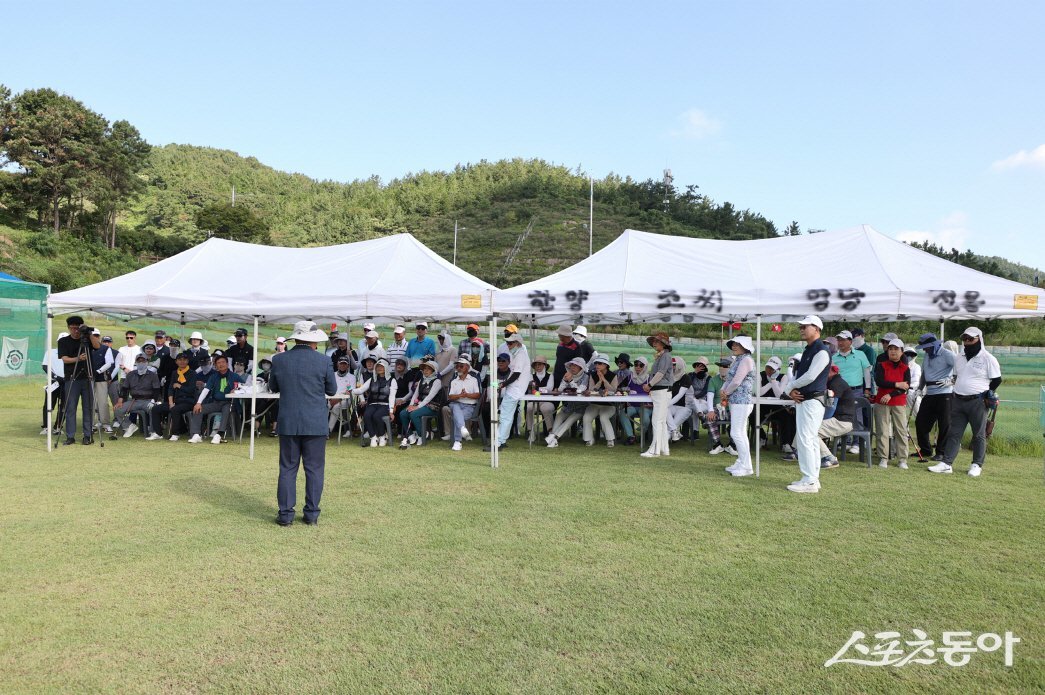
371 334
581 331
601 359
565 330
539 359
623 357
660 337
307 332
700 360
342 336
741 340
196 335
513 338
427 363
578 362
973 332
381 362
812 320
463 360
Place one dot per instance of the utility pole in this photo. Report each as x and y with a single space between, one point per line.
591 213
234 196
455 240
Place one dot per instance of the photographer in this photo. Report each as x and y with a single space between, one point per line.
73 350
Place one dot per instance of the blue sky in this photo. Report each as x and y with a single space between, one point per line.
923 119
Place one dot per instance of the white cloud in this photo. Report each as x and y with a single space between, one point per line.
695 125
951 232
1033 159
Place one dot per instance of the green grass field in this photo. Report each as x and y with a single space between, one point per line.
156 566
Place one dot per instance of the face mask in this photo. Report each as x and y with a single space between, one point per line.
515 349
141 368
472 334
205 369
858 341
266 368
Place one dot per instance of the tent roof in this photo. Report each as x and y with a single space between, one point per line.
5 276
854 274
393 278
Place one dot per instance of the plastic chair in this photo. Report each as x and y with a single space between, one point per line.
863 435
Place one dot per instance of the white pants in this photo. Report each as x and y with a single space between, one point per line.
677 416
738 415
809 415
605 415
661 404
564 421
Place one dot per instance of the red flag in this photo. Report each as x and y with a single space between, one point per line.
737 326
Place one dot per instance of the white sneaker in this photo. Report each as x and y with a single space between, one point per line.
195 439
731 451
43 432
809 487
883 463
675 435
382 441
742 472
153 437
216 439
173 438
456 446
589 443
445 437
131 429
552 441
854 449
787 449
609 444
405 444
413 439
648 455
373 441
941 467
975 469
465 434
903 465
717 450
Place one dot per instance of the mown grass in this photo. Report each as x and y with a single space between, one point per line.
150 567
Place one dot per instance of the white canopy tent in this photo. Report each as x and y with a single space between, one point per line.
390 279
856 275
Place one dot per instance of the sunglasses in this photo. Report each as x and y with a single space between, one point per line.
128 337
968 339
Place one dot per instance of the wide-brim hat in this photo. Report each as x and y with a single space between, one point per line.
927 339
381 362
427 363
973 332
700 360
741 340
660 337
623 357
581 331
513 338
539 359
601 359
307 332
196 335
565 330
578 361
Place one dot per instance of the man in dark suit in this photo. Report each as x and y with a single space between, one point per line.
303 378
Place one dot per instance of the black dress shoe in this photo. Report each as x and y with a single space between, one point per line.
284 522
70 440
86 441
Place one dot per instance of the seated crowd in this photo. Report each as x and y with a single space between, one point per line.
422 388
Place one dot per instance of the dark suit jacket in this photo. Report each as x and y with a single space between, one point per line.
303 378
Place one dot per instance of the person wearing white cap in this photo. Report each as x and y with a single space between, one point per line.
421 347
463 397
736 394
893 379
303 378
809 391
977 377
380 391
601 383
362 344
513 388
370 347
341 350
281 345
580 334
197 353
855 369
566 350
340 410
397 348
573 383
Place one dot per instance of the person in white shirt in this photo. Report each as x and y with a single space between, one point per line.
396 350
514 387
977 377
128 353
341 409
53 364
463 398
370 347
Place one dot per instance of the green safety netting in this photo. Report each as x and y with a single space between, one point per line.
23 317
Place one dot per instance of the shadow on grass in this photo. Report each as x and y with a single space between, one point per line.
223 497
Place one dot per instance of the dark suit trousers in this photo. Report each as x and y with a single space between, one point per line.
311 452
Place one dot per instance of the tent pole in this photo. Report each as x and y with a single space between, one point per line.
941 330
254 385
47 352
533 335
758 403
492 392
